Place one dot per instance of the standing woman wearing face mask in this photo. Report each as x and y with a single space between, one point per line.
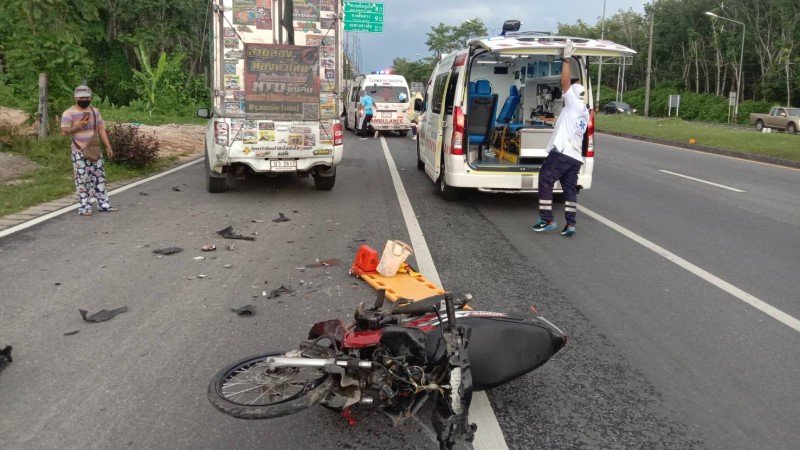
81 121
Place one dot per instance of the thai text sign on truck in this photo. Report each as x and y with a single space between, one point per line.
275 73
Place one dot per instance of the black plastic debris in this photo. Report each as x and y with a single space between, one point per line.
176 188
246 310
281 218
102 315
143 193
5 357
229 234
324 263
72 333
167 250
275 293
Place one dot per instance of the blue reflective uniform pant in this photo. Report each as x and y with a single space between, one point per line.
559 167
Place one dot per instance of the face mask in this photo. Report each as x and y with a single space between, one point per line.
84 103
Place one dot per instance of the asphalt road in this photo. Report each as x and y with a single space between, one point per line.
657 357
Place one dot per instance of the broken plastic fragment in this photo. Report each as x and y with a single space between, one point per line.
168 250
246 310
202 275
72 333
275 293
102 315
199 258
281 218
228 266
5 356
176 188
229 234
208 248
258 221
324 263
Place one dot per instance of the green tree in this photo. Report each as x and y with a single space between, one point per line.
440 39
419 70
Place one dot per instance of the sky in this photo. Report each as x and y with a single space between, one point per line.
406 22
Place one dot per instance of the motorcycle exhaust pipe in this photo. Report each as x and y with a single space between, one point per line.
283 361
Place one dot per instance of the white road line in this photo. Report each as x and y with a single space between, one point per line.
751 300
673 147
71 208
700 181
489 435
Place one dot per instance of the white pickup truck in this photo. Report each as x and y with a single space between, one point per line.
275 74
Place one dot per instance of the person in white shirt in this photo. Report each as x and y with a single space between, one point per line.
565 152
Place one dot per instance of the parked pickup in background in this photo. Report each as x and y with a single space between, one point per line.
782 118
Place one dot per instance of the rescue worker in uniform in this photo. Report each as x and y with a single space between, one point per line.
565 152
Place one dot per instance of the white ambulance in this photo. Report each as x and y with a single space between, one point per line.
391 100
489 111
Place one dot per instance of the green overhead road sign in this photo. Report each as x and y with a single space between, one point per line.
363 16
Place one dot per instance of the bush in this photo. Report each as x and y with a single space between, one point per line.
132 147
696 107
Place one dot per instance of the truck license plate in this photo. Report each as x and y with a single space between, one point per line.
283 165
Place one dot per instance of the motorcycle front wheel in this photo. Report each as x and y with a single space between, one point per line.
248 389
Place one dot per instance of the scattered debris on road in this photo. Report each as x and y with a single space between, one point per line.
231 247
72 333
275 293
167 250
228 266
246 310
143 193
229 234
208 248
199 258
102 315
258 221
202 275
281 218
5 356
324 263
176 188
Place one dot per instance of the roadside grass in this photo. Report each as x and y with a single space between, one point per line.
52 179
778 145
125 114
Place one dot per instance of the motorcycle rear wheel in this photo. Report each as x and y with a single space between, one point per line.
247 389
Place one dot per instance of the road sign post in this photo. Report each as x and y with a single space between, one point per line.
363 16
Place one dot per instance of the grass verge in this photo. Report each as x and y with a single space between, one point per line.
52 179
778 145
128 115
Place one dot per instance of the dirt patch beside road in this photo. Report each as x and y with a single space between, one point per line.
12 117
177 140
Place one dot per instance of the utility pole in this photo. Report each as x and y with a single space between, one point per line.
600 67
649 65
42 109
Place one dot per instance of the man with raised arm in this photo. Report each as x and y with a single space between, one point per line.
565 152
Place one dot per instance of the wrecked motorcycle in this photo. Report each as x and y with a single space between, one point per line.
395 357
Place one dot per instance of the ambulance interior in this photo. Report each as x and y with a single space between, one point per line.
512 104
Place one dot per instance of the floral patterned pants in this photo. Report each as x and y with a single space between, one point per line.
90 181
